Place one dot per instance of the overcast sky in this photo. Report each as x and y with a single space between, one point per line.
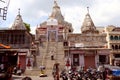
34 12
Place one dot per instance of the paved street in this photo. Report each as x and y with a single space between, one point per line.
33 78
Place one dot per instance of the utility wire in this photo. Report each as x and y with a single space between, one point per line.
2 1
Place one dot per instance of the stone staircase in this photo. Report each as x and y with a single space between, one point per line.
44 58
55 49
33 72
60 56
36 70
40 57
47 62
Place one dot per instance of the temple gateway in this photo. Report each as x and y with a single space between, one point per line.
55 37
55 43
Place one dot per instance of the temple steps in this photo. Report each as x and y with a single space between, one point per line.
44 58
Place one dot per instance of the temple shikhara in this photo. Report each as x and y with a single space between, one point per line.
55 43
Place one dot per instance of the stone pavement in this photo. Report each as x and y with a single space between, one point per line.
33 77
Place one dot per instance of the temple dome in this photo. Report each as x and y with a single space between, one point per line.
56 17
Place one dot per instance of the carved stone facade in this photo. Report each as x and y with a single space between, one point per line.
19 40
88 48
113 39
88 40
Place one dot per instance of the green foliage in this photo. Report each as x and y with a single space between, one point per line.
27 26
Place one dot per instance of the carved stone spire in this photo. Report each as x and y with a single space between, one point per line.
57 17
18 23
56 13
88 25
55 4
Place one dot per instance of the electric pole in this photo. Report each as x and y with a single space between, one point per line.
3 10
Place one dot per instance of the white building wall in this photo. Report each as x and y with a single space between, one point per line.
81 60
96 60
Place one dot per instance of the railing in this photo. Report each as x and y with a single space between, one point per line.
7 47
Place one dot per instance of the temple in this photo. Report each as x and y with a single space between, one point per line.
55 43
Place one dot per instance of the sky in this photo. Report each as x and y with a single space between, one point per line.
34 12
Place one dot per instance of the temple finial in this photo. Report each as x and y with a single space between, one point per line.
19 11
88 9
55 2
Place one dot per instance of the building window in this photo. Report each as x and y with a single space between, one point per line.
113 47
70 30
11 39
117 55
66 53
102 59
116 47
76 59
119 37
65 43
23 39
7 38
111 37
15 42
116 37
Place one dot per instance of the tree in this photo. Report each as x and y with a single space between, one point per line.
27 26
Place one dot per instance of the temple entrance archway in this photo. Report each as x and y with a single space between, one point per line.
52 35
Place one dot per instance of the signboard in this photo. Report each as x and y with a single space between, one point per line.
22 54
79 45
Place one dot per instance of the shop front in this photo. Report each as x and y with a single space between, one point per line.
89 58
8 60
